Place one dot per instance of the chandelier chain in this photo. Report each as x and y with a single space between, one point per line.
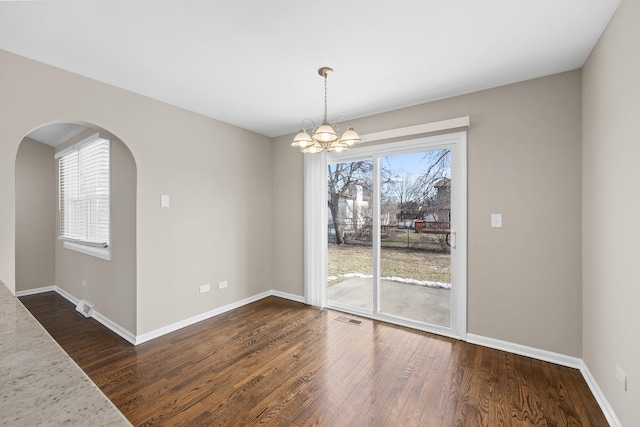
325 97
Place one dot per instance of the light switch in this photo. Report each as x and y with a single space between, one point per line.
164 201
496 220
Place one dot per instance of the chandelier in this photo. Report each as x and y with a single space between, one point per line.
325 136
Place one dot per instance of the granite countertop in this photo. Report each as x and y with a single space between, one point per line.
40 385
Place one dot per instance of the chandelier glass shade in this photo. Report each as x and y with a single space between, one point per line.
326 136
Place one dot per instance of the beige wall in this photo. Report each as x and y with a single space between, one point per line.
524 280
218 176
109 285
611 151
288 217
35 215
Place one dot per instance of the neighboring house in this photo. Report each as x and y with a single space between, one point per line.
443 200
438 209
388 214
354 208
408 213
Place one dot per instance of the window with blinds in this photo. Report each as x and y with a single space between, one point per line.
84 176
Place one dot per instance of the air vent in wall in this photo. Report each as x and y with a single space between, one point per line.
85 308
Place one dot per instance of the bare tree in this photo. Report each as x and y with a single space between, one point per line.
426 186
340 180
406 192
433 190
399 189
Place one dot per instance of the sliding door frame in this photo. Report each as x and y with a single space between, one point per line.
315 214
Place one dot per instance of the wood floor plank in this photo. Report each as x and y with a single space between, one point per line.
433 397
280 363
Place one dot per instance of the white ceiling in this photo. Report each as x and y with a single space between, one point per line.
56 133
253 63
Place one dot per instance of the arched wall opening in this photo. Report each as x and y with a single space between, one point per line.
41 260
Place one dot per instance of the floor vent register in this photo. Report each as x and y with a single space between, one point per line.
349 321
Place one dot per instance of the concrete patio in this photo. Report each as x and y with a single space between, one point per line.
421 303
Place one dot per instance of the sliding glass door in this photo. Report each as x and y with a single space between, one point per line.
415 227
394 213
350 234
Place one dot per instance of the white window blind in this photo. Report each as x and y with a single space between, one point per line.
84 192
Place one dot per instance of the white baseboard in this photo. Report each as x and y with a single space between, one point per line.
114 327
106 322
211 313
199 318
557 358
523 350
139 339
609 413
285 295
35 291
67 295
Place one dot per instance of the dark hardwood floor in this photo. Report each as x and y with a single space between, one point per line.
280 363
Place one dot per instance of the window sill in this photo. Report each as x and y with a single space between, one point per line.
104 254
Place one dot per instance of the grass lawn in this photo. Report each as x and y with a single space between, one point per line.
400 262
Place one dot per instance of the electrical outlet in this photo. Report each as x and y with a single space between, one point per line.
84 282
222 285
205 288
621 377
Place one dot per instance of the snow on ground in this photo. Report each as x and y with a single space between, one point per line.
393 279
